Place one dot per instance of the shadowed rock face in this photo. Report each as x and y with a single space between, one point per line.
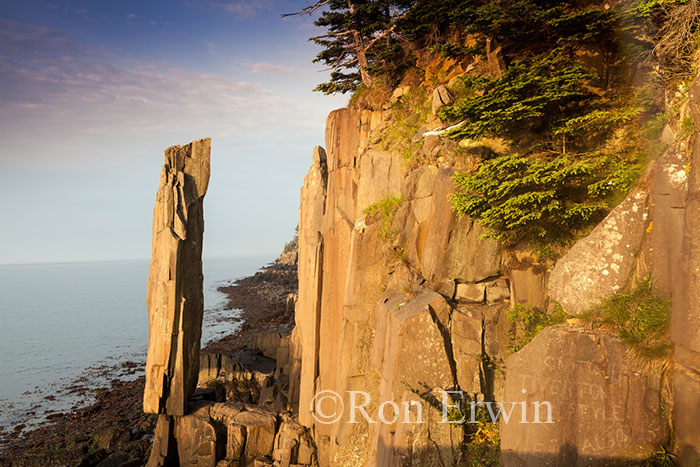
570 411
175 297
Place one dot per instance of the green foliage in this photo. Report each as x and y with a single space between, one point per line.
407 115
648 8
483 438
340 82
527 96
401 254
687 126
358 41
528 322
522 27
557 109
598 121
293 244
641 319
542 199
456 51
383 211
427 20
483 446
655 125
661 458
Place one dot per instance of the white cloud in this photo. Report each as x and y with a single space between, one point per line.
271 69
83 132
71 91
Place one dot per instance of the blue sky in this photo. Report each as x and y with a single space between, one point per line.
91 92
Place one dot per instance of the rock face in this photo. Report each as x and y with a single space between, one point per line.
685 320
403 305
441 97
175 297
600 264
588 423
231 434
376 310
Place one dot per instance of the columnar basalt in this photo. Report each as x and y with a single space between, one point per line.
225 422
380 306
413 300
685 322
175 295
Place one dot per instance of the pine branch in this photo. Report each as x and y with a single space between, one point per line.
307 10
335 34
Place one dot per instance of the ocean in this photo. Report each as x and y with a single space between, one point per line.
63 322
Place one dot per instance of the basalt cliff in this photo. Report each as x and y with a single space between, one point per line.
419 340
497 262
414 301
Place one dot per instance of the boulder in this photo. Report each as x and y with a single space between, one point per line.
292 445
245 375
441 97
231 432
197 439
399 92
600 264
268 343
110 437
174 294
471 292
603 409
258 425
260 432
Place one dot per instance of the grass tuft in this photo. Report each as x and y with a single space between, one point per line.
641 319
383 211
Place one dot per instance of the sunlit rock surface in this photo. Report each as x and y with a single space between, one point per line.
175 295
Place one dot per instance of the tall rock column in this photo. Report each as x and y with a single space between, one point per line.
175 283
685 319
311 212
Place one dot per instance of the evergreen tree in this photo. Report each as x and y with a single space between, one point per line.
359 32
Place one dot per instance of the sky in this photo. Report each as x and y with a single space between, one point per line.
93 91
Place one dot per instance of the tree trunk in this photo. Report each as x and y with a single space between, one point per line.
360 52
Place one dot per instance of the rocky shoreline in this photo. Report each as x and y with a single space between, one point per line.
114 431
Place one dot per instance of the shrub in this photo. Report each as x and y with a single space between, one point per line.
383 211
546 199
528 95
641 319
482 439
661 458
576 125
293 244
528 322
483 443
407 115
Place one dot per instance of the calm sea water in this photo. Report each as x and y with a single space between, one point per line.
62 321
